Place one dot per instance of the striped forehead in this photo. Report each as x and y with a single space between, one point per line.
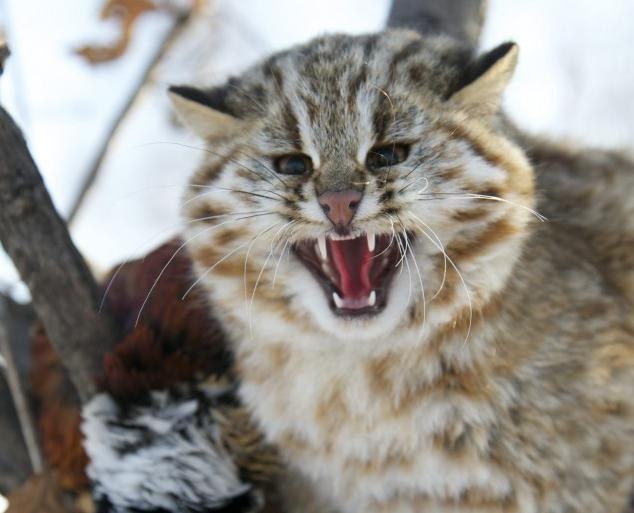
340 96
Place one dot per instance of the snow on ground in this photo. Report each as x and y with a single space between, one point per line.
574 80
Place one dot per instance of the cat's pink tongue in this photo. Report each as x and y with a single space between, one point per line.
353 261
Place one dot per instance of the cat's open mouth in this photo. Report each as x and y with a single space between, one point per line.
355 272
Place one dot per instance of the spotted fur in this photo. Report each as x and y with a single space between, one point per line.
499 376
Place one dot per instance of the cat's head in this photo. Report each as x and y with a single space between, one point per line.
358 183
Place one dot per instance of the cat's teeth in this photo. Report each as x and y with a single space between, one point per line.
372 298
342 237
371 241
321 244
338 301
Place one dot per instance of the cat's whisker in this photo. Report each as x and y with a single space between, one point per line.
218 154
400 248
464 284
257 281
246 262
412 170
408 247
389 246
209 269
266 168
395 237
444 253
211 189
414 182
409 274
169 228
182 186
227 189
249 215
248 309
171 259
459 195
270 171
277 266
136 192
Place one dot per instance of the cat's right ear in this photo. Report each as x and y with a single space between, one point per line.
480 89
204 112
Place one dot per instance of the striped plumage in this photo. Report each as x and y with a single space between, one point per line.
493 371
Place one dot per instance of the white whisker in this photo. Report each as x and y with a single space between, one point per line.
207 271
286 245
257 281
420 278
169 228
171 259
452 195
464 284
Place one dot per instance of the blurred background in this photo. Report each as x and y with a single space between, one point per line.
90 95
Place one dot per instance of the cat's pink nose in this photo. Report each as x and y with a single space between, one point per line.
340 207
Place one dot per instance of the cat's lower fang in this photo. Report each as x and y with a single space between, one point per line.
338 301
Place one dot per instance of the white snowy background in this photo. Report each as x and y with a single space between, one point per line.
574 81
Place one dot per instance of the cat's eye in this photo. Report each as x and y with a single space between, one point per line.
385 156
296 164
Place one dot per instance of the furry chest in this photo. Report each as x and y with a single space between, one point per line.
363 443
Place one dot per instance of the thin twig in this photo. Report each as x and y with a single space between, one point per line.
20 400
91 176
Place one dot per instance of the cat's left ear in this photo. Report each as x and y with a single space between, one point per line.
482 86
205 112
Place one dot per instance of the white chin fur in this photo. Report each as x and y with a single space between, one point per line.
312 298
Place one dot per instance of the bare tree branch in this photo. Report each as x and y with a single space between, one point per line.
65 295
461 19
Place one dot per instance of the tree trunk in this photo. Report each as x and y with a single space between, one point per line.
64 293
461 19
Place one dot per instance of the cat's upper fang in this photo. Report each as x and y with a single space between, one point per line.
321 246
371 241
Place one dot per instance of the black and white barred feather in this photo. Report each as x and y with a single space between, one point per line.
166 455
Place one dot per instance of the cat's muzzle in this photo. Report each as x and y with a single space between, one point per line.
354 272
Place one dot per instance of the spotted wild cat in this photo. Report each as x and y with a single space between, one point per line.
409 330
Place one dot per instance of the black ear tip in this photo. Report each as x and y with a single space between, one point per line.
498 52
212 98
187 92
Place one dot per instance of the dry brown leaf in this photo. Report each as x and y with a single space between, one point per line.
127 11
39 494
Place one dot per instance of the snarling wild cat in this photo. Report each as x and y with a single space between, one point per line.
408 329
